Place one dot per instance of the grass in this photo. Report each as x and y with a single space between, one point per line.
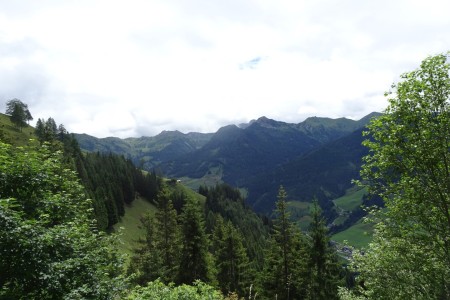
358 235
304 222
130 225
12 135
299 205
189 192
300 212
339 220
212 178
351 200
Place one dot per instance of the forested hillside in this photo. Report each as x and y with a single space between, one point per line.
316 158
324 173
146 152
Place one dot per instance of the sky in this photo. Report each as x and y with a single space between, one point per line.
135 68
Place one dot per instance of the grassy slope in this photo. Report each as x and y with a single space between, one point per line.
300 213
351 200
359 235
129 226
10 134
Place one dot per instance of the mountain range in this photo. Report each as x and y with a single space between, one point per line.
316 158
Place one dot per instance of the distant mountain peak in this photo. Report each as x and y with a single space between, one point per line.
170 133
267 123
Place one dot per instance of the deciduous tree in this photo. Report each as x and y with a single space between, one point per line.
18 112
409 167
49 245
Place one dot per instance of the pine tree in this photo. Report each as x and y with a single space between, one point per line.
195 260
323 265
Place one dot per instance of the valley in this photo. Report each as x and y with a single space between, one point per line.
314 159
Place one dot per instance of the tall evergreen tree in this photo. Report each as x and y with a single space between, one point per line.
231 258
40 130
51 130
284 270
195 260
146 262
323 265
168 237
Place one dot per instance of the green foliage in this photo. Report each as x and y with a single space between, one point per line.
227 202
146 152
168 239
50 247
325 173
408 167
232 263
9 133
130 227
19 113
195 260
359 235
112 181
146 262
157 290
284 274
352 199
158 254
323 264
47 131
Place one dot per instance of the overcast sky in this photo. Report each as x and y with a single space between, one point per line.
133 68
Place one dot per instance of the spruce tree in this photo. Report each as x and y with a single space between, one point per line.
40 130
146 261
195 260
284 270
231 258
323 265
168 237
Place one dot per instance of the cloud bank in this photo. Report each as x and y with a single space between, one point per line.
115 68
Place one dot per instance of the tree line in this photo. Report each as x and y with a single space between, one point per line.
110 180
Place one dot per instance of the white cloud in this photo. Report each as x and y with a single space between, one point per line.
138 67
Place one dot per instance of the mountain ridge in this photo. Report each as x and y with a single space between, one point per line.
261 154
